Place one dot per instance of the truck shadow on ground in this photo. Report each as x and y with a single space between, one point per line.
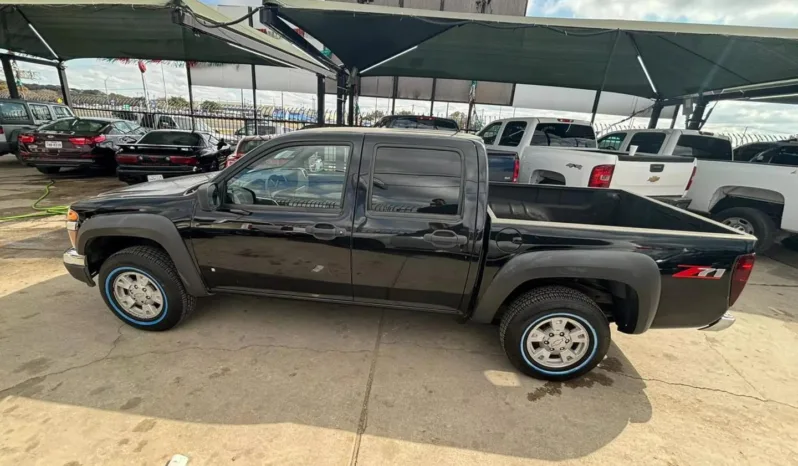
245 360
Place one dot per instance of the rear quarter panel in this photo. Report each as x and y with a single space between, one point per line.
573 164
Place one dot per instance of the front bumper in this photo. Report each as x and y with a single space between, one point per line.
76 266
726 321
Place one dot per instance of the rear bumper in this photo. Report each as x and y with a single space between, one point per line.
726 321
677 201
5 147
76 266
141 172
38 161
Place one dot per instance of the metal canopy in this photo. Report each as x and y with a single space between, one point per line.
681 59
181 30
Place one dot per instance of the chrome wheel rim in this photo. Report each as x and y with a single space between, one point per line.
739 224
137 295
557 342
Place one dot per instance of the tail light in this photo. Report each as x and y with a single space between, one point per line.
690 183
127 158
26 138
2 131
740 274
601 176
183 160
516 169
91 140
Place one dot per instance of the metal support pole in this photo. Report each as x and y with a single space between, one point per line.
62 77
695 119
190 96
468 118
350 119
604 79
254 85
393 94
432 100
656 111
320 88
340 98
675 115
11 80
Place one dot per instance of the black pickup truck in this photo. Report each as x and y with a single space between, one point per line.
407 219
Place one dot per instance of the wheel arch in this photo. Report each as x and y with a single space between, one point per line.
633 280
101 236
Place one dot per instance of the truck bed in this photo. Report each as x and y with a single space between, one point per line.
600 207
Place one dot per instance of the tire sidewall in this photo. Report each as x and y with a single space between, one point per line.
172 312
764 228
523 322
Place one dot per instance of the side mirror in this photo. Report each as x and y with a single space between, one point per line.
208 197
221 144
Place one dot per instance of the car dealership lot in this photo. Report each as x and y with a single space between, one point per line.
254 380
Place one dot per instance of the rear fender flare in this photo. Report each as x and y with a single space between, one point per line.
152 227
636 270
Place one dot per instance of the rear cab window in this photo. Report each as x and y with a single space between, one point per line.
563 134
703 147
171 138
247 146
647 143
13 112
612 141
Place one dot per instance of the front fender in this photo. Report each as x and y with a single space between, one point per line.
636 270
152 227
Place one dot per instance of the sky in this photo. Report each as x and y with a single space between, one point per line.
170 80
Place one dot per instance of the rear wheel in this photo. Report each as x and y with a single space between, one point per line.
751 221
142 288
49 170
554 333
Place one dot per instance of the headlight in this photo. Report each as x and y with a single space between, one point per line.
72 226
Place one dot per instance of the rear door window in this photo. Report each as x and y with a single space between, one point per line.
703 147
563 135
12 112
513 133
40 112
489 133
647 143
612 141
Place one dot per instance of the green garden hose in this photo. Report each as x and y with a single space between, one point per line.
40 211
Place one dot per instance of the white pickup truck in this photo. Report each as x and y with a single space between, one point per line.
563 151
757 197
685 142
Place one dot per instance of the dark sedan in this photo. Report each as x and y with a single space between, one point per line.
76 142
166 153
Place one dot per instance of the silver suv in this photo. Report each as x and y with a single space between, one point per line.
19 115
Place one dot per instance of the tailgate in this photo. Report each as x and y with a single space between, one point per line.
653 175
502 166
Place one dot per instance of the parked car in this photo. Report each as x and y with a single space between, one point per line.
22 115
161 121
167 153
759 197
408 220
562 151
245 145
417 122
76 143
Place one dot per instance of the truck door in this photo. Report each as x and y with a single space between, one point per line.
413 233
284 226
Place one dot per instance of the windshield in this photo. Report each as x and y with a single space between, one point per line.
171 138
75 125
563 135
418 122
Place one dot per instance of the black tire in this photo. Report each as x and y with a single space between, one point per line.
764 228
539 305
156 265
49 170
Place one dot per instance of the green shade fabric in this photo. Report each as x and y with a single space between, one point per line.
682 59
140 29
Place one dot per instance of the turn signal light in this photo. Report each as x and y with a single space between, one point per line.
72 226
601 176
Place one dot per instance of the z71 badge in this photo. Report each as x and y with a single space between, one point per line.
700 271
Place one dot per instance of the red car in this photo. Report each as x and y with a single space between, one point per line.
245 145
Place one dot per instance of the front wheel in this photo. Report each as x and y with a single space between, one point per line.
142 288
554 333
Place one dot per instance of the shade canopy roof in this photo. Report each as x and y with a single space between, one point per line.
681 59
181 30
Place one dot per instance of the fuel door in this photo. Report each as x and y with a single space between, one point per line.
509 240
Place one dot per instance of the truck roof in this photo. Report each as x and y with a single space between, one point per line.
692 132
546 120
392 131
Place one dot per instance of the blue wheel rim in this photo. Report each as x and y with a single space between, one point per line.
115 307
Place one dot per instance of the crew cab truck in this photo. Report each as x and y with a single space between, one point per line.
701 145
407 219
562 151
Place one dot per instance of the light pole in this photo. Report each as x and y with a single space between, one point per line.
107 96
